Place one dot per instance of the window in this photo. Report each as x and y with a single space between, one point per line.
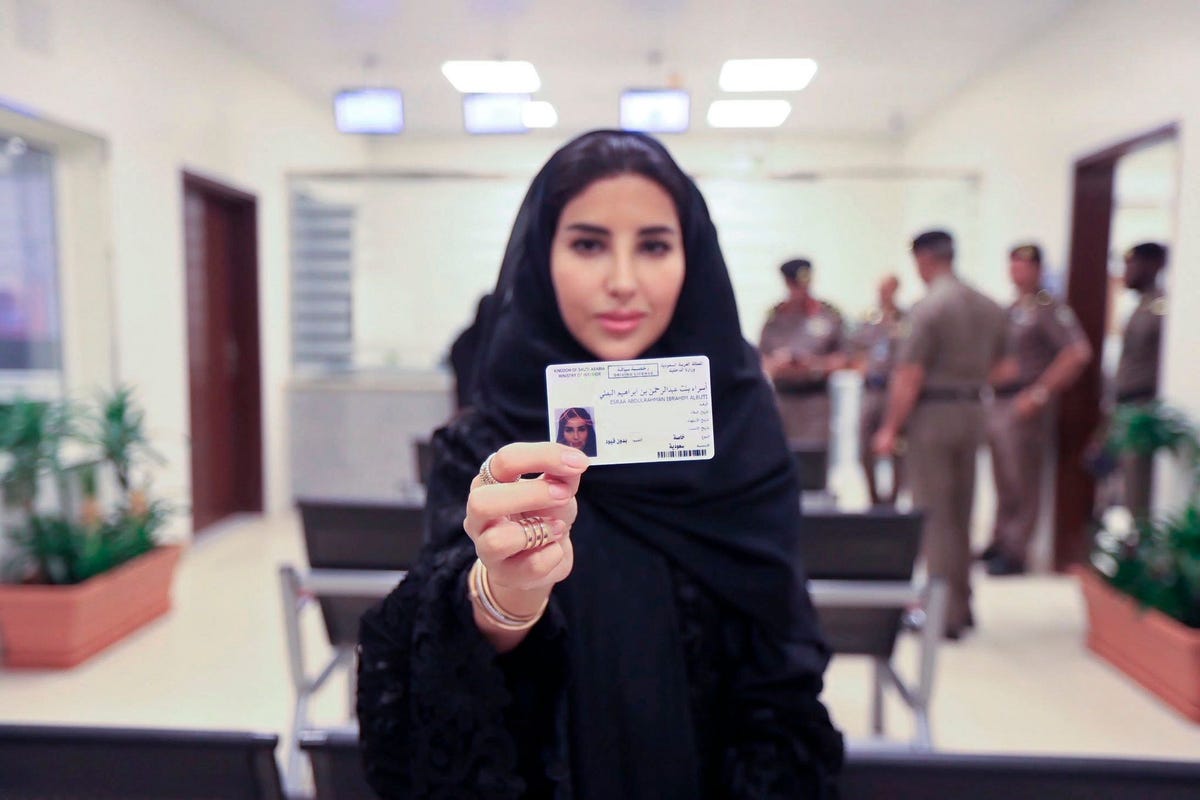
30 324
322 295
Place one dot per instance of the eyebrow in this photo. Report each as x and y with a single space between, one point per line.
599 230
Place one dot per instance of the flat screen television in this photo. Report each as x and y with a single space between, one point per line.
371 110
656 110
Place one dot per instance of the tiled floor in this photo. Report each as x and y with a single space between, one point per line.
1023 683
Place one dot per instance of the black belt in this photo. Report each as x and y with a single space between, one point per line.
875 383
802 388
1137 396
950 395
1009 390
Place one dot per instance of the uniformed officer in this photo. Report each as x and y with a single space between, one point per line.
1051 351
1137 371
953 345
874 351
801 346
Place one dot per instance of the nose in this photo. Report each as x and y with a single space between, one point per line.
621 281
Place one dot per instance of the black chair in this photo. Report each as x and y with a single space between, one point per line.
357 552
39 762
424 451
869 775
860 568
337 765
929 776
812 466
358 536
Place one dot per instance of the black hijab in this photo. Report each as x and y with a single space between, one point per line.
729 524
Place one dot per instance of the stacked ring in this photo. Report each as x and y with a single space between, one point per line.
536 531
486 478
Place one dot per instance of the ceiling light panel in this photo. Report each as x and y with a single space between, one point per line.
748 113
492 77
767 74
539 114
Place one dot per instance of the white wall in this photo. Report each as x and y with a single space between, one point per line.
435 215
1110 70
166 95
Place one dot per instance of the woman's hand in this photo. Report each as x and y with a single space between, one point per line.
520 579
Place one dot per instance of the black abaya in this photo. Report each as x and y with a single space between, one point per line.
681 658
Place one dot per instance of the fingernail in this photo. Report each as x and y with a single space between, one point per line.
558 529
574 458
558 491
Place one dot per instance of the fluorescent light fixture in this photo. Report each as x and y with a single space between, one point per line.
748 113
369 111
656 110
494 113
539 114
492 77
767 74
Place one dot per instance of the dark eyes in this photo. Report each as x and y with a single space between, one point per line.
587 246
654 247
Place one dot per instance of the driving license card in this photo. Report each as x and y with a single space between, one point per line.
631 412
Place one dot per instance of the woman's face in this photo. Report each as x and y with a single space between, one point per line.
575 433
617 264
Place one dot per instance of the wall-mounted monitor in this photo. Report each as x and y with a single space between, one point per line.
494 113
656 110
371 110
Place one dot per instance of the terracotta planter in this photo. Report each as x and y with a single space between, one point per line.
61 626
1157 651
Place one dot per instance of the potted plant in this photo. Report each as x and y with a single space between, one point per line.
78 577
1143 587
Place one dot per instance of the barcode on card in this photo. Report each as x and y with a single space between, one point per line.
682 453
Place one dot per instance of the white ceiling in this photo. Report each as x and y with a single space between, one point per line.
882 63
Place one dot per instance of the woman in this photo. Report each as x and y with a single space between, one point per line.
575 429
638 631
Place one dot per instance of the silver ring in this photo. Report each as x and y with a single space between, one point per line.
486 478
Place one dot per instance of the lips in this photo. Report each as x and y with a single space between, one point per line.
621 322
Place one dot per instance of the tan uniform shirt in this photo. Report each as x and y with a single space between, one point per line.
956 333
817 331
1137 371
876 340
803 332
1039 327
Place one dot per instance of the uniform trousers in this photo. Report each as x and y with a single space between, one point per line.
1137 473
1018 452
874 407
944 438
805 417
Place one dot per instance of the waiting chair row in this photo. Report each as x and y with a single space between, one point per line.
85 763
861 565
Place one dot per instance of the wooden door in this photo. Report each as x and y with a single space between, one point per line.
1087 294
223 351
1079 411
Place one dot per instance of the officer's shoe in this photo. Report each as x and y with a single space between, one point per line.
1002 565
989 552
954 634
